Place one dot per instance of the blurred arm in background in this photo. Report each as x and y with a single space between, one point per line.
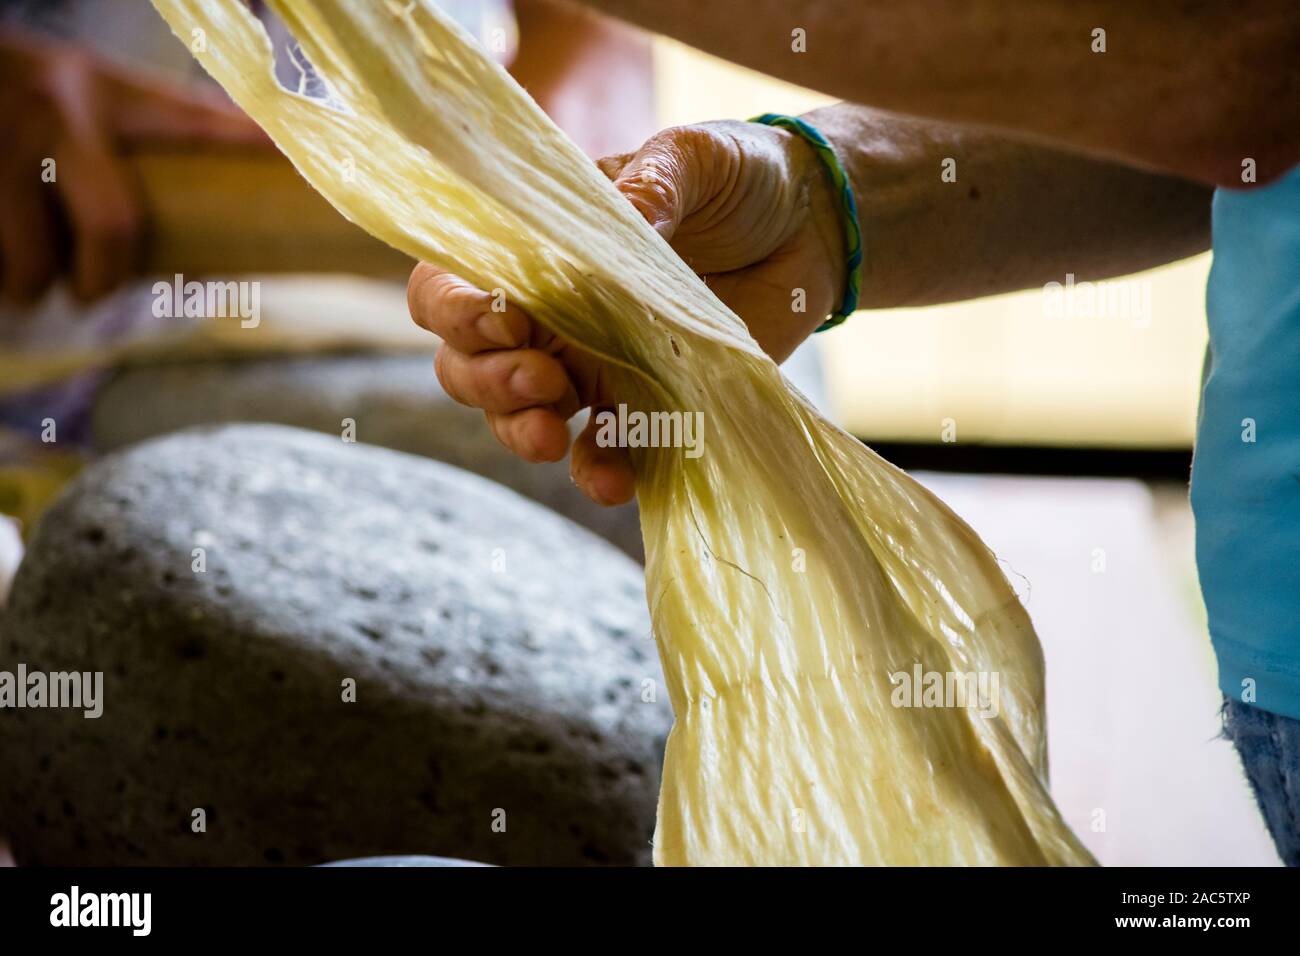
82 217
67 201
592 75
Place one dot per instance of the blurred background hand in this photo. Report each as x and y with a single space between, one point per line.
69 119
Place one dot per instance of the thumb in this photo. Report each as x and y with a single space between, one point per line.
657 179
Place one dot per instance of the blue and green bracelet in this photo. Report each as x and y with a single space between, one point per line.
852 226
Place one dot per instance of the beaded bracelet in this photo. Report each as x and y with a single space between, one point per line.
852 226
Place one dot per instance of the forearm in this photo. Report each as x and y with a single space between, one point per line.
592 75
1193 88
1017 215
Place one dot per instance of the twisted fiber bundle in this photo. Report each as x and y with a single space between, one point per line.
787 748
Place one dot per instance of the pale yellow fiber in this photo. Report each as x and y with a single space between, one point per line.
790 571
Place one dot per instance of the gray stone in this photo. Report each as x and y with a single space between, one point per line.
401 862
395 401
499 652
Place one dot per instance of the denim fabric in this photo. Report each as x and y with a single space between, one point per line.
1269 745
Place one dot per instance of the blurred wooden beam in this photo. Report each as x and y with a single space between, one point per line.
232 213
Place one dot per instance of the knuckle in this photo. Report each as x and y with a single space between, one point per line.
503 373
671 137
535 376
678 143
445 301
457 298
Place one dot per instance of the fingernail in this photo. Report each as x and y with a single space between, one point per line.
597 494
493 327
525 384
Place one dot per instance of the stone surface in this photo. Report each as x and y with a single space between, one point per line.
499 654
401 862
395 401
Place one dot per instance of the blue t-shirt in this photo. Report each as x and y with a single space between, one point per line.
1246 470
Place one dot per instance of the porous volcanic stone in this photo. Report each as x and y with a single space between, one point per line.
500 655
395 401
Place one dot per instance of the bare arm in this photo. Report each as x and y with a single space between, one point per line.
592 75
1017 215
752 210
1191 87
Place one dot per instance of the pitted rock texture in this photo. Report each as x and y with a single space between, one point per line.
394 401
501 659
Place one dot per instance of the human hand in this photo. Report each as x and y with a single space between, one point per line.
68 203
749 207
